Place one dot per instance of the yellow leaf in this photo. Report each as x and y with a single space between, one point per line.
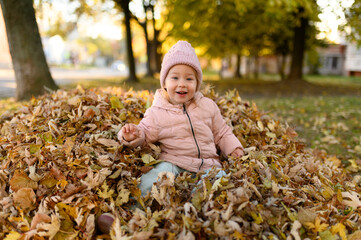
123 116
317 226
271 135
62 183
327 192
13 236
122 197
257 218
105 193
327 235
69 210
219 183
340 229
34 148
292 216
116 103
149 160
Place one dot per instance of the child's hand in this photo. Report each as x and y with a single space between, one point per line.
237 153
130 132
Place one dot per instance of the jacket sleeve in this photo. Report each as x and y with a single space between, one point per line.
223 135
148 131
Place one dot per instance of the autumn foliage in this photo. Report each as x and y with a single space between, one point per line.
61 167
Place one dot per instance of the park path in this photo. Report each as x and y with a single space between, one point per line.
60 76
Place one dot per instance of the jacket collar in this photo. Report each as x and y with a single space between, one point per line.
161 101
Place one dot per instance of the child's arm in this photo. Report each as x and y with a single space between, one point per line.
223 135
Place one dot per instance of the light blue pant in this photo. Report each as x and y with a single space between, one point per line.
147 180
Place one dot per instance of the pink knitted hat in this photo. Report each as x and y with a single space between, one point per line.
180 53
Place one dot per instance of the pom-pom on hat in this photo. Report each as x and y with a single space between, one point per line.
181 53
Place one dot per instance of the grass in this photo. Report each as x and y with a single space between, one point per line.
329 123
335 80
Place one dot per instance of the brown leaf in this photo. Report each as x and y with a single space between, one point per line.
39 218
25 199
21 180
108 142
68 145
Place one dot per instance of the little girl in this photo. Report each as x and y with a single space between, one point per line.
187 126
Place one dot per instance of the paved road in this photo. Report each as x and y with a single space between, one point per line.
61 76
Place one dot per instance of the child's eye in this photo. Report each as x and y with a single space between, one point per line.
175 78
189 79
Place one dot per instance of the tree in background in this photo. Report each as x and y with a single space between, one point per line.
211 25
148 23
32 73
124 6
89 8
352 27
250 28
304 12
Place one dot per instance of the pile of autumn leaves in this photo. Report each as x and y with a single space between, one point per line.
61 167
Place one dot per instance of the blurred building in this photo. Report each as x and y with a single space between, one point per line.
332 59
353 60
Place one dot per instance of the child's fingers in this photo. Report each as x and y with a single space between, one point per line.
125 128
134 130
130 128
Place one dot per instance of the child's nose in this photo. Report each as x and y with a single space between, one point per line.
182 82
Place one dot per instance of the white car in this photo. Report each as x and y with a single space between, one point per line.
119 65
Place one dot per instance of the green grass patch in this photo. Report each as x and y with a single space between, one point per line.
334 80
8 105
329 123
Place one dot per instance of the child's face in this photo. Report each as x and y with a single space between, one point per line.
181 83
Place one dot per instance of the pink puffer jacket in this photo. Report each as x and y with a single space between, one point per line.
188 134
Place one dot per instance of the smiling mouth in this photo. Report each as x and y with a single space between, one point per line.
182 93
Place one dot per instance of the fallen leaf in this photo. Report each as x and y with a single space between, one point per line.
21 180
354 199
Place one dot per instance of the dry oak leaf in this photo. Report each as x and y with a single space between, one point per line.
25 199
21 180
39 218
50 229
354 201
108 142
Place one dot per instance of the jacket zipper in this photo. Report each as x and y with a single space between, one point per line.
194 136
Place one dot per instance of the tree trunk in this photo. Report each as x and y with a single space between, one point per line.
32 73
237 73
155 45
299 42
256 67
149 72
281 63
131 62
